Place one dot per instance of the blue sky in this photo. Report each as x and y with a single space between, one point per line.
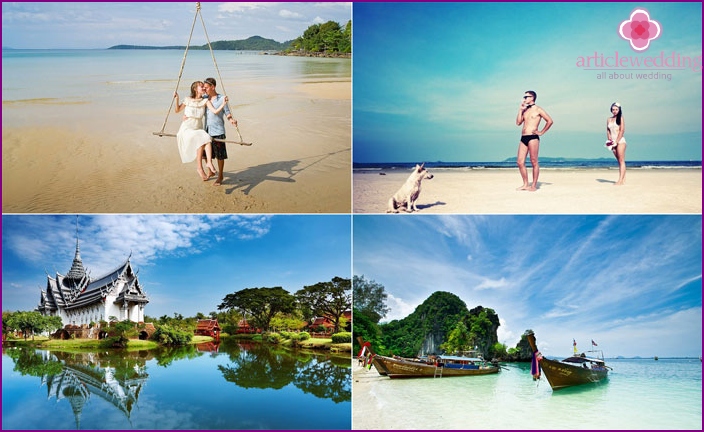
102 25
186 263
443 81
631 283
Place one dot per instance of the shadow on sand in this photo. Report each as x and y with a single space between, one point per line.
282 171
427 206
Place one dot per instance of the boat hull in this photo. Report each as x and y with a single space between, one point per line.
401 368
561 375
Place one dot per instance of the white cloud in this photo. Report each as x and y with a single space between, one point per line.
398 308
285 13
492 284
235 7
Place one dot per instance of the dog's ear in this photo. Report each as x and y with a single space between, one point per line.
420 168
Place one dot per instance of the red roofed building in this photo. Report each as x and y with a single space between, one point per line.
244 327
208 327
329 324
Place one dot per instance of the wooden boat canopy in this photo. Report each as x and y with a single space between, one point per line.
581 359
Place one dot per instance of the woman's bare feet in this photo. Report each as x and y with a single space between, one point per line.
202 175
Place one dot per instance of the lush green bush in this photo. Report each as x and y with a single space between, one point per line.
498 350
257 338
125 328
230 329
167 335
342 337
290 335
119 341
303 336
274 338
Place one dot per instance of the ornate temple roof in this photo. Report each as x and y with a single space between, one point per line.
77 271
77 289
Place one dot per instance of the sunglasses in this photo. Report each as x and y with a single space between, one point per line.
526 97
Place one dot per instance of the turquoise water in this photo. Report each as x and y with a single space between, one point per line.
140 83
639 394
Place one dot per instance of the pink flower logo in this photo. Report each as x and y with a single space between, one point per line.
639 29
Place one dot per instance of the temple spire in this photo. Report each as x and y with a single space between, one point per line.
77 271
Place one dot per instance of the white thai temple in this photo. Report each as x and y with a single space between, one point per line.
80 299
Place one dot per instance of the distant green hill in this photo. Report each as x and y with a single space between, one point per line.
428 327
254 43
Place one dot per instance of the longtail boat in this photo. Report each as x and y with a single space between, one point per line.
572 371
440 366
433 366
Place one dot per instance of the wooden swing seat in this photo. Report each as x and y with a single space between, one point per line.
166 134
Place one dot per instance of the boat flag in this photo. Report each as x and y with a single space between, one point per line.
594 343
574 344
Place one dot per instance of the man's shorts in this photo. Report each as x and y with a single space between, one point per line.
219 148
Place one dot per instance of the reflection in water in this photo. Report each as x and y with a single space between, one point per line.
75 377
260 367
120 377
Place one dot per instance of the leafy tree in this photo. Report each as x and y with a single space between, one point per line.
262 304
499 350
30 322
329 299
292 321
369 298
346 42
368 330
326 37
458 339
483 323
167 335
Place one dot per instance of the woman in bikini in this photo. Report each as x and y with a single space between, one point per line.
191 137
615 129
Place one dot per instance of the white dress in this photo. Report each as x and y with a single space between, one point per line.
191 135
614 130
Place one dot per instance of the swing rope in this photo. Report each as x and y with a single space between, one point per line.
183 65
180 74
217 69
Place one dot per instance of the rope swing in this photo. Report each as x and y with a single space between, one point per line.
161 133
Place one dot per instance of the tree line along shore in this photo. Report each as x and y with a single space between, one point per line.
329 39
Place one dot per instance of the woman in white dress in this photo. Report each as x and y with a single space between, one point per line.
191 136
615 128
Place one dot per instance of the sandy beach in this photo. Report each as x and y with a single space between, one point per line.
561 191
93 154
366 407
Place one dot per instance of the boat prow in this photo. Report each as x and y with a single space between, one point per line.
572 371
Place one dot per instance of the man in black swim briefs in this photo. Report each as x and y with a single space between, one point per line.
525 139
530 115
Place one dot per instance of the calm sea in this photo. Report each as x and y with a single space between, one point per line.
602 163
639 394
143 81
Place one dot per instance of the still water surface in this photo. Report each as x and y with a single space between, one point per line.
231 386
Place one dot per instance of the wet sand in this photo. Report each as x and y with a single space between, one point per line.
366 407
79 156
561 191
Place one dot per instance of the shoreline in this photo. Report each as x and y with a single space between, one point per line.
76 162
560 191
